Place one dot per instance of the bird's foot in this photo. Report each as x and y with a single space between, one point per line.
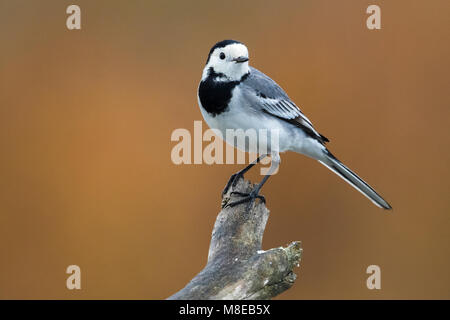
232 182
247 197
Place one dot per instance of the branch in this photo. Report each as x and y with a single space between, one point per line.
237 268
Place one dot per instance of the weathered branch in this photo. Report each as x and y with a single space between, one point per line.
237 268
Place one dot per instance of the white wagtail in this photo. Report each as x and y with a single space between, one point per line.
233 95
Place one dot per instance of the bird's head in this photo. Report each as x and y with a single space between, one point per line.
228 60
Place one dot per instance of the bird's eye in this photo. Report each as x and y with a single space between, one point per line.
222 55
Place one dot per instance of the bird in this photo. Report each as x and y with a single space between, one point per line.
232 95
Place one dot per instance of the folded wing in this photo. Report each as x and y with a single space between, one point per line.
267 96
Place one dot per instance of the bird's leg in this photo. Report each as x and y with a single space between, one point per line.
240 174
254 194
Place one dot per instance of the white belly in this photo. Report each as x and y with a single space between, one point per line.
253 131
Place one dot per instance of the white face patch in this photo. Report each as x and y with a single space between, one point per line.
221 60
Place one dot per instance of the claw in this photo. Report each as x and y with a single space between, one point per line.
247 197
250 195
232 182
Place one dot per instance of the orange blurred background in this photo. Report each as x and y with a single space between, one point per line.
86 118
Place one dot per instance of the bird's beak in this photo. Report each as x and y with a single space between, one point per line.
240 59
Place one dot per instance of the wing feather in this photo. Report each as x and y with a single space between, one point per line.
266 95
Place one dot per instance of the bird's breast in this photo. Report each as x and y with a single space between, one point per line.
215 96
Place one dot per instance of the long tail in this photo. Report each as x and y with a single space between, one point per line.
332 163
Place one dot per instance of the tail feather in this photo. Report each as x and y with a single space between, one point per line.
332 163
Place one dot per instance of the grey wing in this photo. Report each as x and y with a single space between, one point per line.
266 95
